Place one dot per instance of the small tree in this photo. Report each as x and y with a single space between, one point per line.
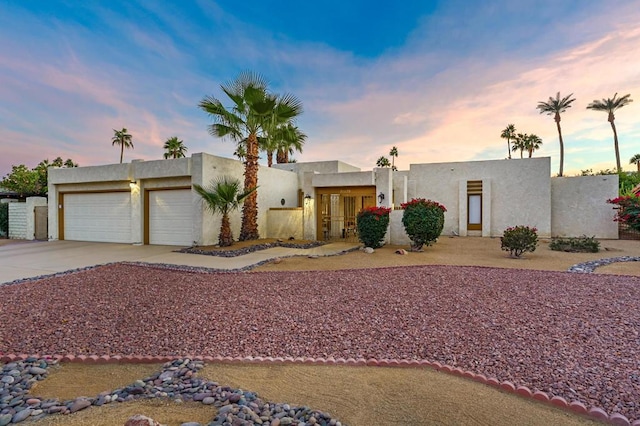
174 148
223 196
628 210
122 138
518 240
372 225
509 133
635 160
393 154
423 221
383 162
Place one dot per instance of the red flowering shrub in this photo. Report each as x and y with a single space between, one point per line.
628 210
372 225
423 221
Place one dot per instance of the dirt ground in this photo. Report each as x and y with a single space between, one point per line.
355 395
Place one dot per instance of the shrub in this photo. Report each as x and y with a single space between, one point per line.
423 221
372 226
628 210
519 239
4 219
582 244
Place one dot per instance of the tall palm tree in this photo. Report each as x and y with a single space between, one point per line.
635 160
393 154
174 148
509 133
532 143
223 196
253 112
610 105
519 143
383 162
122 138
290 139
556 107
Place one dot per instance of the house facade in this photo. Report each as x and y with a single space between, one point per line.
152 202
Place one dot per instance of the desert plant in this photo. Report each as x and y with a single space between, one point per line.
423 221
519 239
582 244
628 210
4 219
372 225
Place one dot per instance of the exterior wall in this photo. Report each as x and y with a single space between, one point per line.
285 222
579 206
515 192
396 234
18 221
344 179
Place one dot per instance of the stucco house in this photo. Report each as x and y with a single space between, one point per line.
152 202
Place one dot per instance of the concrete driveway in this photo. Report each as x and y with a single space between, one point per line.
27 259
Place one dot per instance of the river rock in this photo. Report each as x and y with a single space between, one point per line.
140 420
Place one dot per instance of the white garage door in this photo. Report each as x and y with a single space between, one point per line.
103 217
170 217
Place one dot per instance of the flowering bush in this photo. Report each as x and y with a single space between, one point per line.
519 239
372 225
628 210
423 221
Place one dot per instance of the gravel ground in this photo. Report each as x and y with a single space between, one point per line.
571 335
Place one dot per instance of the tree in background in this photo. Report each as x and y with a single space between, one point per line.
253 113
383 162
174 148
509 133
635 160
610 105
532 143
223 196
519 143
122 138
33 182
393 154
290 139
555 107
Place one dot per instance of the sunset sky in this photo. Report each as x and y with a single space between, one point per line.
437 79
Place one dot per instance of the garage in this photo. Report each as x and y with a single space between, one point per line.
170 217
102 217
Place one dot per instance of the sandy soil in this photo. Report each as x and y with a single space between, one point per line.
358 395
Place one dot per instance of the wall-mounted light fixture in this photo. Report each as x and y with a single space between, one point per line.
307 197
133 183
282 202
380 198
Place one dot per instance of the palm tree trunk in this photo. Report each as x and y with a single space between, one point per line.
561 145
249 228
269 158
121 152
521 151
530 152
615 145
509 147
225 239
280 157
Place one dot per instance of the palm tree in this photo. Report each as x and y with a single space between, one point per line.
241 152
635 160
518 143
393 154
383 162
532 143
555 107
174 148
290 139
610 105
223 196
253 113
122 138
509 133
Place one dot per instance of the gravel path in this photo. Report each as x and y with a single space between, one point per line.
571 335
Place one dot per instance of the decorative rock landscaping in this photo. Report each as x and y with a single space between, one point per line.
176 381
589 267
249 249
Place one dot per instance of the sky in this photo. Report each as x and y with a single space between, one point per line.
439 80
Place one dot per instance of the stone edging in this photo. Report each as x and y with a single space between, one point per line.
590 266
506 386
250 249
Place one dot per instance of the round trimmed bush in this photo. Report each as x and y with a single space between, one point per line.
423 221
372 226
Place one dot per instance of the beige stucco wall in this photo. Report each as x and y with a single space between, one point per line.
18 221
285 223
580 206
344 179
515 192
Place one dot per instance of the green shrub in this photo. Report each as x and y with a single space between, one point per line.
372 226
582 244
423 221
519 239
4 219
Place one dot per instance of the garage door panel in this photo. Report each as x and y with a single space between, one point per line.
171 217
102 217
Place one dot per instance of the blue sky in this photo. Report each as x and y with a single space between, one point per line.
437 79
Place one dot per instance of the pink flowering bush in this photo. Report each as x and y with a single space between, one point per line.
519 239
628 210
372 225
